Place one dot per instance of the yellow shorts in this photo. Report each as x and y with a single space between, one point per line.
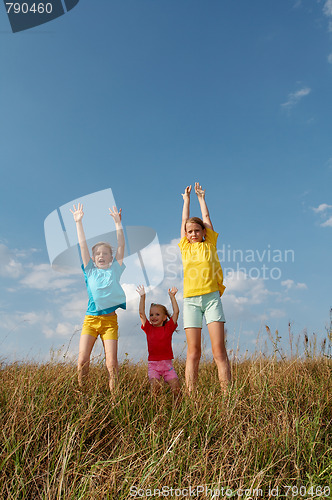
106 326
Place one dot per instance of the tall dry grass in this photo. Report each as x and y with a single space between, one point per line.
272 430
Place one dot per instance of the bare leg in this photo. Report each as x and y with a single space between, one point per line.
111 355
217 336
193 356
86 344
175 387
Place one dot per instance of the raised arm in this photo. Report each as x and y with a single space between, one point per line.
172 292
185 210
78 216
202 203
140 290
119 234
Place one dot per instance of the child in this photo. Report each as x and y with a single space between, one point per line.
102 274
203 286
159 331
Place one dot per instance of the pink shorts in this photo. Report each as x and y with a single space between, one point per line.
164 368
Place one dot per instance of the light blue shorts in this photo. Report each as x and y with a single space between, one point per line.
208 305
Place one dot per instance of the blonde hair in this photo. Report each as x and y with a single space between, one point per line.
165 311
195 220
102 244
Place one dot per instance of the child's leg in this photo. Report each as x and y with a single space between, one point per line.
155 386
154 376
170 376
193 356
217 336
175 387
86 344
111 355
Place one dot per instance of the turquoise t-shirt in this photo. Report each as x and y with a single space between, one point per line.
104 289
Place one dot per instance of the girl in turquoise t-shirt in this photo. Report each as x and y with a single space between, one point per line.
102 274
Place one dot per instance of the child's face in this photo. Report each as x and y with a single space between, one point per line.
157 316
102 257
194 232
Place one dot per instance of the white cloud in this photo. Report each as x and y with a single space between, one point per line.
20 320
289 284
253 290
42 277
329 58
39 277
25 253
9 267
327 223
74 305
65 329
63 322
322 209
327 10
245 297
295 97
277 313
32 317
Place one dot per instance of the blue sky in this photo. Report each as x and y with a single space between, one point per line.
147 96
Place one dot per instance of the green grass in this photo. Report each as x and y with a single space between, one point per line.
272 429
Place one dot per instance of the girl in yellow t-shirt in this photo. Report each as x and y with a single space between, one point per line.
202 288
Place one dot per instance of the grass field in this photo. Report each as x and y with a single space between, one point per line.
272 431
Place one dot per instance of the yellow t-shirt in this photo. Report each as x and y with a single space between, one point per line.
201 267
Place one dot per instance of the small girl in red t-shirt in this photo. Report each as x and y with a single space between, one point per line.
159 331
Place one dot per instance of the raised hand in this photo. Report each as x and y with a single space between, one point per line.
116 214
199 190
187 192
140 290
172 291
77 212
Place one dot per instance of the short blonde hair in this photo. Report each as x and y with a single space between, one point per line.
102 244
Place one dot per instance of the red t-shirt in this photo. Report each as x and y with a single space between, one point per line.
159 340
